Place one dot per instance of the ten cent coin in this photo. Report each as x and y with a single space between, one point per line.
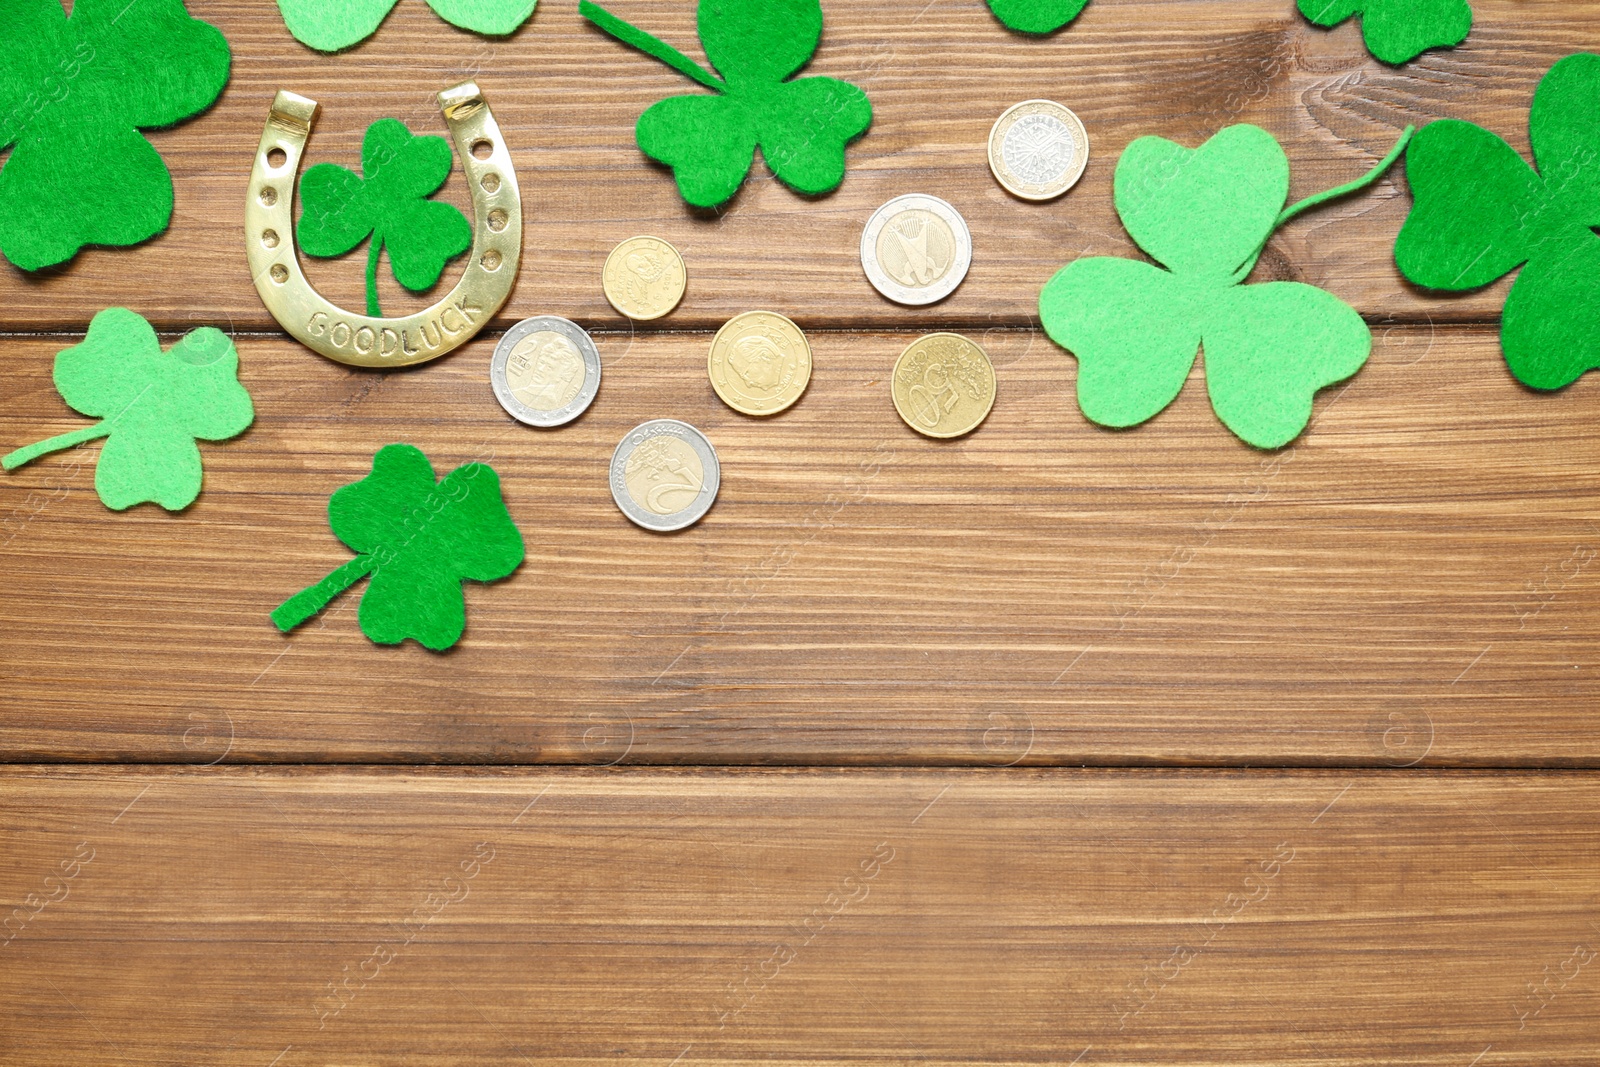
943 385
665 475
1038 149
759 363
916 249
545 371
644 278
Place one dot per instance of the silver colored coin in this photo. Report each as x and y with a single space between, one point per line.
1038 149
665 475
545 371
916 249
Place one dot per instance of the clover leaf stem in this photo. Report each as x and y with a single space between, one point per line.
1332 194
29 453
306 603
373 310
650 45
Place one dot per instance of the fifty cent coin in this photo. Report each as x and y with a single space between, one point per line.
916 249
759 363
943 385
545 371
665 475
1038 149
644 278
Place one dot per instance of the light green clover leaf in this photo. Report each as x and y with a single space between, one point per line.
419 538
1205 215
332 25
152 406
801 126
388 202
1480 212
74 94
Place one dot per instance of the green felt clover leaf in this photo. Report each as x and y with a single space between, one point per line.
419 539
389 203
74 94
152 406
1480 211
332 25
1205 215
801 126
1398 31
1036 16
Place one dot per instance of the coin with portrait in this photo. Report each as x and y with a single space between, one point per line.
943 385
545 371
759 363
916 249
665 475
644 278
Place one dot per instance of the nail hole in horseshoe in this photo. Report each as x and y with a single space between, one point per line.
491 260
269 196
497 220
276 158
279 272
482 149
491 183
269 238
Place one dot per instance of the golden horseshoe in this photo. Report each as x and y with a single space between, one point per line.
360 340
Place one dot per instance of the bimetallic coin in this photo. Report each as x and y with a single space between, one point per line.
1038 149
644 278
665 475
545 371
943 385
759 363
916 249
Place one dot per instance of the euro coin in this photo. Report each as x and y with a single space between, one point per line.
759 363
943 385
1038 149
644 278
665 475
916 249
545 371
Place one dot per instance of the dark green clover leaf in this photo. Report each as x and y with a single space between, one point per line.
152 406
419 539
1205 214
389 203
74 94
1398 31
1480 212
1036 16
330 25
801 126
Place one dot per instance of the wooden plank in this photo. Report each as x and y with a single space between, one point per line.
292 918
567 97
1414 580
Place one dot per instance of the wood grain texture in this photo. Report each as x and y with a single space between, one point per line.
567 97
291 918
1415 580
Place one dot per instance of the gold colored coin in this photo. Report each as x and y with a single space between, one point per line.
644 278
943 385
759 363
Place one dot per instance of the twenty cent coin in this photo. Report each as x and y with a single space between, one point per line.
1038 149
943 385
665 475
644 278
759 363
916 249
545 371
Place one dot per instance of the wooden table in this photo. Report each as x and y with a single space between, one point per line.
1050 744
